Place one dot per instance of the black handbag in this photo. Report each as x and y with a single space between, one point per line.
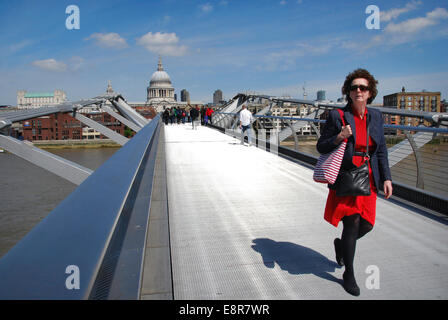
356 181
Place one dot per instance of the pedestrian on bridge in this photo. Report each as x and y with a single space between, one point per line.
166 116
194 113
172 114
356 212
202 115
184 116
208 115
245 123
178 115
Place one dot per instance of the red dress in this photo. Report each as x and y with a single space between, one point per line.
339 207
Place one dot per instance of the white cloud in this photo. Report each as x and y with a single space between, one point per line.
206 8
287 58
386 85
405 31
388 15
162 43
76 63
283 2
19 46
108 40
415 25
50 64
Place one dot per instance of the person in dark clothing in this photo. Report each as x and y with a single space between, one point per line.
194 113
172 114
202 115
166 116
179 115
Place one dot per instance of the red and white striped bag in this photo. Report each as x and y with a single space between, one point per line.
328 164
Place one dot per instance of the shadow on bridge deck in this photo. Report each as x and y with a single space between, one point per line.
248 224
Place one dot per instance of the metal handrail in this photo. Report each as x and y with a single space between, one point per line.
388 126
435 117
85 235
7 118
420 175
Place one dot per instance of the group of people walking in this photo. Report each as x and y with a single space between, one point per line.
182 115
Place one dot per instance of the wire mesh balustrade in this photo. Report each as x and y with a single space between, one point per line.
418 156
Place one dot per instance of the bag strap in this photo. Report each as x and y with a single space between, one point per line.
364 154
341 113
367 155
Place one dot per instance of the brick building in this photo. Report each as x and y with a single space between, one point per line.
62 126
417 101
148 112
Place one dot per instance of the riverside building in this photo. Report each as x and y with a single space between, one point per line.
418 101
29 100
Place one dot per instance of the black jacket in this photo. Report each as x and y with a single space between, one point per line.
194 113
378 155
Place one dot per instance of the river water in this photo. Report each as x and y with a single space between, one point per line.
28 193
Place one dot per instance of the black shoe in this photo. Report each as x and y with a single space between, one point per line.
351 286
338 249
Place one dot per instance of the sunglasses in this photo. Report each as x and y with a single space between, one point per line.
360 87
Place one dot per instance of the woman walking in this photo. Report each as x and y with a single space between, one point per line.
356 212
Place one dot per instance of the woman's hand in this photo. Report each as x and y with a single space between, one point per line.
387 187
345 133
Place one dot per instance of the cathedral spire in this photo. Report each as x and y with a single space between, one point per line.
160 67
109 88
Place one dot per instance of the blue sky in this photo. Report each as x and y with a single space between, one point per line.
267 46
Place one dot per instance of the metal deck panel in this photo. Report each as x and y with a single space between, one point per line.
247 224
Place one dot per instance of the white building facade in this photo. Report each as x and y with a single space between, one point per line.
28 100
160 93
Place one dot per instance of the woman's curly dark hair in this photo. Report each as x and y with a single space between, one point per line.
360 73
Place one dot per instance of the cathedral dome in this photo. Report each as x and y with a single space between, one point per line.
160 78
160 90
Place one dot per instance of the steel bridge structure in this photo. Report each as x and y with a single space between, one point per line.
178 213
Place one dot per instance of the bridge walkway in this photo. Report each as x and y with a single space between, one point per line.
248 224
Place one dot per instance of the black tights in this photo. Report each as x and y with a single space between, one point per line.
355 227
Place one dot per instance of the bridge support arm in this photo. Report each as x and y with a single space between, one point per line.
418 160
297 125
123 120
118 138
129 113
66 169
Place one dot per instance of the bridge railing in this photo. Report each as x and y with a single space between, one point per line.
417 154
91 246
